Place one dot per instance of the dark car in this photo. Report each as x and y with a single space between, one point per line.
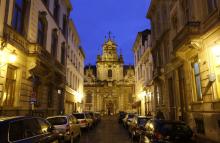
27 130
98 116
166 131
136 126
94 118
121 116
127 120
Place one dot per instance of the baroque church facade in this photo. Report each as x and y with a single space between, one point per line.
109 85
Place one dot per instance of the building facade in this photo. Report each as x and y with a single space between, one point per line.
186 51
74 72
109 85
143 62
36 32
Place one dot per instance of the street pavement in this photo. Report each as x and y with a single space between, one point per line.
108 131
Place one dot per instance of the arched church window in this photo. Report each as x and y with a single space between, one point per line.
109 73
89 98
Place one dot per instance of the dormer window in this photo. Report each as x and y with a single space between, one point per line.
110 73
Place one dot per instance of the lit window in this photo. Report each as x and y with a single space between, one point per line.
10 86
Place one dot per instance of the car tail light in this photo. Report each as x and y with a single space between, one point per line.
83 121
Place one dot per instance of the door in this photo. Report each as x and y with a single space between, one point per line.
171 99
182 92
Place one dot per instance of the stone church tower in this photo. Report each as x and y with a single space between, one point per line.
109 85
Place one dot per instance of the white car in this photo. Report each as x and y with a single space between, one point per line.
84 120
67 125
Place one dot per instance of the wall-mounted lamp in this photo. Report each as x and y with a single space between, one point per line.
12 57
6 57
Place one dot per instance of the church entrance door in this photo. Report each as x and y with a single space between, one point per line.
110 107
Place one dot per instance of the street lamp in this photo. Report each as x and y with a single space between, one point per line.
12 57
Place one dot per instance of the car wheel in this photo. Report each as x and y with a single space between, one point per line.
71 139
78 138
133 134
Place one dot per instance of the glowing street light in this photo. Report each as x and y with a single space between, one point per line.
12 57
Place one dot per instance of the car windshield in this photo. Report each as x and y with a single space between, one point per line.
130 116
142 121
57 120
79 116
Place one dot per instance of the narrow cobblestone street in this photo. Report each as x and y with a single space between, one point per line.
108 131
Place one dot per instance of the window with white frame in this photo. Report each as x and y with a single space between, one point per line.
197 78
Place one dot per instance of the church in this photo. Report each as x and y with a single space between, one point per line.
109 85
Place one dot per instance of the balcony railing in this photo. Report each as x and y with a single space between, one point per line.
190 29
15 39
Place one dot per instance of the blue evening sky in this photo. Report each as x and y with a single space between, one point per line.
95 18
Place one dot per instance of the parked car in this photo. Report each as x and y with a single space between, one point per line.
98 116
136 126
22 129
94 118
121 116
83 120
166 131
67 125
127 120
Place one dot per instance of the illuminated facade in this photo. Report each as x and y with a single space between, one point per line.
143 73
74 72
37 31
186 53
109 85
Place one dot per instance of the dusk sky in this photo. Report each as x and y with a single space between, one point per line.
95 18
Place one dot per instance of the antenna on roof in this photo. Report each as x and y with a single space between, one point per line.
105 38
109 35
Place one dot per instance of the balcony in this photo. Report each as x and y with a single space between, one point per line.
15 39
191 29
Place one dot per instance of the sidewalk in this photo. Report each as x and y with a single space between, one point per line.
200 139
